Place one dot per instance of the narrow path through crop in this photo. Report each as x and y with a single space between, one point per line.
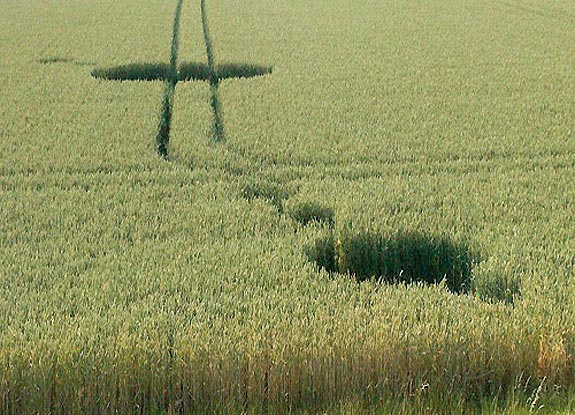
218 125
163 135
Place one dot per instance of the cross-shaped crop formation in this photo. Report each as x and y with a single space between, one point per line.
171 74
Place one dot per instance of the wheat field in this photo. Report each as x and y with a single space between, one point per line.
287 207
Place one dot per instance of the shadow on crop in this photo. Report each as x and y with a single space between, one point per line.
49 60
404 258
408 258
187 71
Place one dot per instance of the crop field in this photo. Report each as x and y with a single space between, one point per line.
287 206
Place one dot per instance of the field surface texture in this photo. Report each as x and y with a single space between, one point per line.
271 206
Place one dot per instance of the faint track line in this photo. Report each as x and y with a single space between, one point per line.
445 165
289 174
519 8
